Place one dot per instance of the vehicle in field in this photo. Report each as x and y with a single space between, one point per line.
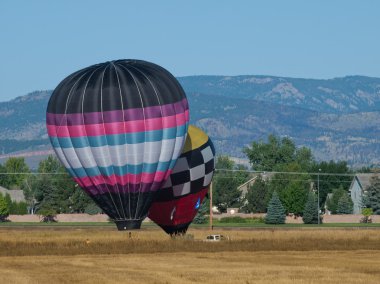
216 238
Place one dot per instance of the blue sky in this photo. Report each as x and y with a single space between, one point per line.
44 41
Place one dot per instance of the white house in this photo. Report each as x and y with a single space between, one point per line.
358 186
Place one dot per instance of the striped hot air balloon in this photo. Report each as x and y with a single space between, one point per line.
182 194
118 127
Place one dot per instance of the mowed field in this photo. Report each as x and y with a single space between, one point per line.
104 255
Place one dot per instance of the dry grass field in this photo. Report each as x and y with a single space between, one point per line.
103 255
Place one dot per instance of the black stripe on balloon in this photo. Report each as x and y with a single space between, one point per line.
132 83
104 201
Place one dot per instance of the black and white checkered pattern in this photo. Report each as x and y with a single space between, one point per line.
192 172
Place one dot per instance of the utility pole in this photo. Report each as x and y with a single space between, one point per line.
210 194
319 218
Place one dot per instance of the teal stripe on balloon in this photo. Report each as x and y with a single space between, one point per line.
118 139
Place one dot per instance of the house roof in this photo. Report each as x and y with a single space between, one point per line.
265 176
364 180
247 182
16 195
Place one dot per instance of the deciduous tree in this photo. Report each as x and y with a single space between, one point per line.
257 196
277 152
53 189
292 187
16 170
226 183
4 209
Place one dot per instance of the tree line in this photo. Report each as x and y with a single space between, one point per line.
293 175
48 191
281 172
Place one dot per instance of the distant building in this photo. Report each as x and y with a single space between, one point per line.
17 195
243 188
215 210
232 211
358 186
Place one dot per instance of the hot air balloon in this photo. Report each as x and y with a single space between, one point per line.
118 127
182 194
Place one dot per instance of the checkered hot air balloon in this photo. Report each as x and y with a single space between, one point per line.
182 194
118 127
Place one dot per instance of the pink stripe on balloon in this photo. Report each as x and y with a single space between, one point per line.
122 180
119 127
122 189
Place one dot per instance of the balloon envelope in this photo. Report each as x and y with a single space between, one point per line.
178 202
118 127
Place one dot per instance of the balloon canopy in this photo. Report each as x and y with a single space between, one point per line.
182 194
118 127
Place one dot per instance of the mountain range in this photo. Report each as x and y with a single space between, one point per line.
337 118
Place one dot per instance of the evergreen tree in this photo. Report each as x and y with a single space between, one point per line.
276 211
329 182
201 217
79 200
4 209
345 205
371 198
310 213
92 209
332 203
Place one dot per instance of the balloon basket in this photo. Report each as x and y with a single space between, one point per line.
126 225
